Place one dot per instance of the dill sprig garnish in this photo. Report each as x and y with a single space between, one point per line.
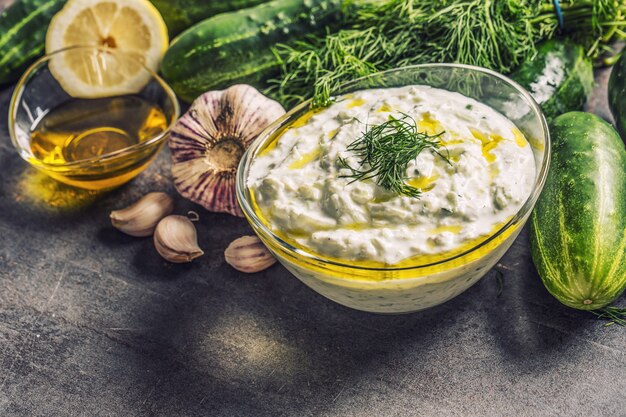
614 315
381 34
385 151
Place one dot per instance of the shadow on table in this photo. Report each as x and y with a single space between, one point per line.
251 345
533 331
236 344
255 344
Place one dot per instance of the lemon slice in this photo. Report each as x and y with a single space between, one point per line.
133 27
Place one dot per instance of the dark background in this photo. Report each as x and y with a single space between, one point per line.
94 323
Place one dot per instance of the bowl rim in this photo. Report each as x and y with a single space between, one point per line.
299 253
30 71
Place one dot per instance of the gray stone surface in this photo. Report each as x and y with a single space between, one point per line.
94 323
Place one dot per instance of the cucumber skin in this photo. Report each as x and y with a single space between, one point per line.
182 14
578 227
23 27
233 48
559 77
617 95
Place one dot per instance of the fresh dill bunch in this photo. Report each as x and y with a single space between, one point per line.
383 34
614 315
385 151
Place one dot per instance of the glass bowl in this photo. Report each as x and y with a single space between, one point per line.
429 283
95 143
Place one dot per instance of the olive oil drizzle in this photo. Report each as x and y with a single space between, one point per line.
464 252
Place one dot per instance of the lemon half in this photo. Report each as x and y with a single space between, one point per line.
133 27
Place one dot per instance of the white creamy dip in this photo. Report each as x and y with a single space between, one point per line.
299 191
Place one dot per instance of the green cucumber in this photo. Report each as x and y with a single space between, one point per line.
237 47
559 77
182 14
578 227
23 27
617 94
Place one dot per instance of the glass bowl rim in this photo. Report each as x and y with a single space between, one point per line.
289 117
136 148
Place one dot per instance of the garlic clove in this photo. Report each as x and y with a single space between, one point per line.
141 218
248 254
176 240
209 140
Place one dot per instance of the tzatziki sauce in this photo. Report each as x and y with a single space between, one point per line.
485 173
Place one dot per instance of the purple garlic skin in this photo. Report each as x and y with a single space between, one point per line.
209 140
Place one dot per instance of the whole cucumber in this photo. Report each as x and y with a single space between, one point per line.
23 27
236 47
559 77
182 14
578 227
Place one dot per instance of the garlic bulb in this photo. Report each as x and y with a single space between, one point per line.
208 141
248 254
140 218
176 240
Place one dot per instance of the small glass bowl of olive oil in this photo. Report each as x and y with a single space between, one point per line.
97 140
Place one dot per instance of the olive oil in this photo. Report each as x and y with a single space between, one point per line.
84 130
